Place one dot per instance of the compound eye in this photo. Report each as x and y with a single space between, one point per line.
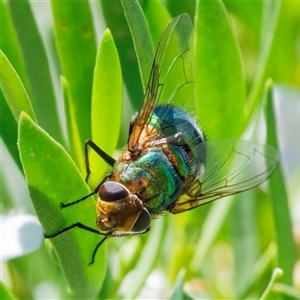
142 222
111 191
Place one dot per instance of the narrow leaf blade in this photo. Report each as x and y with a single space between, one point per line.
121 33
220 80
141 38
14 92
106 102
37 67
53 178
282 219
75 40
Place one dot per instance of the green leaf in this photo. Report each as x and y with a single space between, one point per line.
9 131
52 178
286 292
178 292
220 80
13 90
258 270
76 47
10 44
147 259
282 219
243 218
121 33
178 7
210 229
106 102
277 273
72 126
12 50
157 19
141 38
271 12
5 293
248 12
37 67
284 41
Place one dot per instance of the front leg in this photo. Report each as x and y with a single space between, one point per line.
77 224
84 227
107 158
95 191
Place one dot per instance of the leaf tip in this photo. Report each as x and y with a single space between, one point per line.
269 83
24 117
107 32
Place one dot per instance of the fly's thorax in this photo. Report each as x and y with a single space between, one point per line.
119 210
152 177
133 174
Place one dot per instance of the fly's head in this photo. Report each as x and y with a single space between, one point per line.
119 212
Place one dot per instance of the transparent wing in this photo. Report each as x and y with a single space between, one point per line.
232 166
172 75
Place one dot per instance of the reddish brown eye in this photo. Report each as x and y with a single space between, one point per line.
142 222
112 191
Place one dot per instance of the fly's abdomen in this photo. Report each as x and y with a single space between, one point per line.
171 121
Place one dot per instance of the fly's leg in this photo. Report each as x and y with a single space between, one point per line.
105 157
64 205
77 224
111 234
95 191
111 161
96 250
84 227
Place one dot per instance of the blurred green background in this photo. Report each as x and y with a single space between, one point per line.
54 69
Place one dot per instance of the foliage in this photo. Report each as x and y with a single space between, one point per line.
57 91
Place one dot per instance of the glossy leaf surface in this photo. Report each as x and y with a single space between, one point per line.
14 92
221 88
47 165
106 104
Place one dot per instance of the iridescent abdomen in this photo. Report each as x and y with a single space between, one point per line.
172 120
160 173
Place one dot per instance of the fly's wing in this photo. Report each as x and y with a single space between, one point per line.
231 166
172 74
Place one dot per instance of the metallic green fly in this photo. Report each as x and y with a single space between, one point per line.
167 164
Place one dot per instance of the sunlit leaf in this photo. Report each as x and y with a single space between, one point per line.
14 92
12 50
141 37
220 82
148 258
52 178
37 67
122 37
72 126
282 219
5 293
76 45
271 11
106 103
178 292
157 18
